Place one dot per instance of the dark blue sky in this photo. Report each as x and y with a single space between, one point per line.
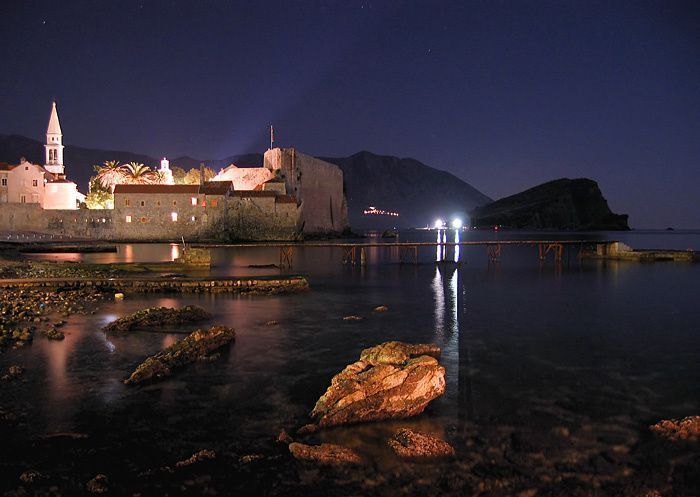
504 94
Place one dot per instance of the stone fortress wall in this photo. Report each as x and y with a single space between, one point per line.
300 194
238 217
316 184
75 223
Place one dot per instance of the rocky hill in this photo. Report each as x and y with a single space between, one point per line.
562 204
418 192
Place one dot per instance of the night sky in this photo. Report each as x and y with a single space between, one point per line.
504 94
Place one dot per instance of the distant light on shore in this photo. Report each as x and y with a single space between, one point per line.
457 223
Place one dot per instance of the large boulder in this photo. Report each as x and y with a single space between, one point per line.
390 381
158 316
196 346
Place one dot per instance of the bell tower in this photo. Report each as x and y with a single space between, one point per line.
54 144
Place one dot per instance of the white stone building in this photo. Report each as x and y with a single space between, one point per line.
27 183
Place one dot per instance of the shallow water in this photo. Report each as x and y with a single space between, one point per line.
612 345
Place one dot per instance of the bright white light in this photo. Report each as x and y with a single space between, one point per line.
439 223
457 223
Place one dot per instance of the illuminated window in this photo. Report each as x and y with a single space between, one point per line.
173 216
143 219
143 203
127 202
128 219
35 182
194 200
214 202
194 218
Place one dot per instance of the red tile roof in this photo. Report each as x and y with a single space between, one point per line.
216 187
252 193
182 189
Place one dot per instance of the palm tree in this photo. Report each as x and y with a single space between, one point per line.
159 177
137 173
110 174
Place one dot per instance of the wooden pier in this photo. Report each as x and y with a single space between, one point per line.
408 252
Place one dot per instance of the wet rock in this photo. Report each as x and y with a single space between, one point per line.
98 485
12 373
284 438
381 308
249 458
202 455
307 429
391 380
195 346
157 316
325 454
53 334
352 317
687 429
31 476
414 445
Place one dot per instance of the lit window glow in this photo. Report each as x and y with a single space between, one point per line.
128 219
173 216
194 200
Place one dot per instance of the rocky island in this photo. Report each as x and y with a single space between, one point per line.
562 204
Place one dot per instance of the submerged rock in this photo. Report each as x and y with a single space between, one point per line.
195 346
391 380
158 316
413 445
352 317
53 334
202 455
98 485
685 429
31 476
12 373
325 454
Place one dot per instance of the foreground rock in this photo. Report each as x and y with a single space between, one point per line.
12 373
685 429
98 485
158 316
413 445
196 346
325 454
24 311
391 380
202 455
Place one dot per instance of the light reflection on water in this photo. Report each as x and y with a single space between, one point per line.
595 339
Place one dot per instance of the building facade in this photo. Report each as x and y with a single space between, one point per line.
47 186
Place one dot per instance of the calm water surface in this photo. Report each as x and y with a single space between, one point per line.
523 344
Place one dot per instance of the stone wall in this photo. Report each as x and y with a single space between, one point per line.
242 216
318 187
79 223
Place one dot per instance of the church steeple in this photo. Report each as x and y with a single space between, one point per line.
54 144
